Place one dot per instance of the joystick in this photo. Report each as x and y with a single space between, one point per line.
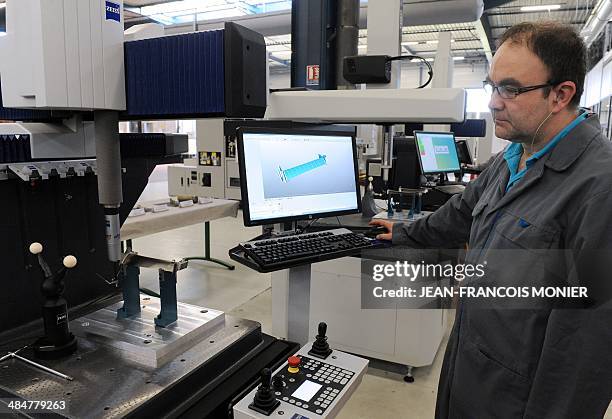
58 341
265 401
320 347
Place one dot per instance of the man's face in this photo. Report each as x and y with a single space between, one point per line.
517 119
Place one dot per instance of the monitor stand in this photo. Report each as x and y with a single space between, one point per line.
299 292
442 179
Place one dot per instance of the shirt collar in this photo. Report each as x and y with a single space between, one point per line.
515 150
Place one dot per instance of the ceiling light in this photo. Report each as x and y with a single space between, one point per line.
182 11
416 60
458 58
410 43
541 8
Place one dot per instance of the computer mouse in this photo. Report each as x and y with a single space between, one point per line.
375 231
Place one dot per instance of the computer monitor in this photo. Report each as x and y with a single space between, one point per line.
406 170
437 152
463 151
297 174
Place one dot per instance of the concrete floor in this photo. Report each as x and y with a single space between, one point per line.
247 294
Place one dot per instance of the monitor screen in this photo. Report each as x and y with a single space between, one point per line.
295 174
437 152
307 391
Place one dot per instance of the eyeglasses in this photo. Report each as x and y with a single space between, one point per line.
510 92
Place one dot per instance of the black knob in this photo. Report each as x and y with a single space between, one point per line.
266 377
320 347
322 329
278 382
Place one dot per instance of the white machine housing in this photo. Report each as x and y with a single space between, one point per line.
52 141
293 407
435 105
220 179
407 337
63 54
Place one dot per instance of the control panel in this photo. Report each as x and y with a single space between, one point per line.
314 383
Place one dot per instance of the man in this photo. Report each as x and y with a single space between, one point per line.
541 215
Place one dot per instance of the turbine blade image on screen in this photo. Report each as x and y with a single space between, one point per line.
288 174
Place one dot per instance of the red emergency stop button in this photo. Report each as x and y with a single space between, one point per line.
294 363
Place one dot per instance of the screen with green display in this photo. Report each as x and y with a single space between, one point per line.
437 152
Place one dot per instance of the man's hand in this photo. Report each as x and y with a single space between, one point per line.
386 224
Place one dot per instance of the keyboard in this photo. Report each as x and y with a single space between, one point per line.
286 251
451 189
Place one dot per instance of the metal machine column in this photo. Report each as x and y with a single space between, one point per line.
347 37
443 72
385 20
298 315
312 45
110 193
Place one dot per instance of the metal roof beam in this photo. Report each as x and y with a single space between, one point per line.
574 22
483 30
569 9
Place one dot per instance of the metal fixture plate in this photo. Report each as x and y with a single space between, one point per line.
138 338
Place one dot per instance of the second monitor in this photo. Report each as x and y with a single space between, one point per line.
437 152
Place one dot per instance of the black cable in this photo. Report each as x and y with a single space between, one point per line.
411 57
303 229
340 223
381 208
149 292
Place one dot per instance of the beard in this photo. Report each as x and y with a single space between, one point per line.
506 130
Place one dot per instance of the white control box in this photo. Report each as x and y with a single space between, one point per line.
318 389
63 54
190 180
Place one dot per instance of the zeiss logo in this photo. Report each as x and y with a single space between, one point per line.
113 11
441 149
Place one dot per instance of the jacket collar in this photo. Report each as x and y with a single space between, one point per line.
578 139
565 153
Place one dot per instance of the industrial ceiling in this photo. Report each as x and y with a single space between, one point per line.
471 40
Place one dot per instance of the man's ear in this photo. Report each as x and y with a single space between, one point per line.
562 95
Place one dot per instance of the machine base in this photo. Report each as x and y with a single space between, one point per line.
201 381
